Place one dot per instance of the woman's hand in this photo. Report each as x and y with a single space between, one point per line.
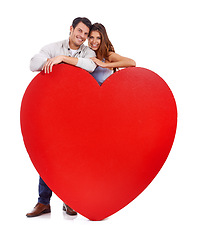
99 62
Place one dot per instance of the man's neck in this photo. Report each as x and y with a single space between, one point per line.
73 46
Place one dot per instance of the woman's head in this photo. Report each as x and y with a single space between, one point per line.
98 40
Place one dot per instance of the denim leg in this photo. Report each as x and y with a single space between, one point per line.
45 192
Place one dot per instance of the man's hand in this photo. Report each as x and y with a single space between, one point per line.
47 68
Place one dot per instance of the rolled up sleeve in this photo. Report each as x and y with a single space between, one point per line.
38 60
85 62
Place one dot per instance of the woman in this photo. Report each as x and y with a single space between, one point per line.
107 60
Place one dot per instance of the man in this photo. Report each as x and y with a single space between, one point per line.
71 51
74 52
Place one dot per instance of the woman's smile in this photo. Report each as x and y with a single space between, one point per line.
94 40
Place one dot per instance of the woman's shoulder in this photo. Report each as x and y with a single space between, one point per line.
111 53
113 56
109 56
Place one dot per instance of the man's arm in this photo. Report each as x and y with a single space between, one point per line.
83 62
38 61
47 58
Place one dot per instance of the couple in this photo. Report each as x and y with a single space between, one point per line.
99 59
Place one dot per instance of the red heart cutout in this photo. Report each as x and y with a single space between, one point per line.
98 147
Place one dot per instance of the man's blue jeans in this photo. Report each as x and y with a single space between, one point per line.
45 192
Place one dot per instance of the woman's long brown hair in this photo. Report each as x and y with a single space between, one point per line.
106 46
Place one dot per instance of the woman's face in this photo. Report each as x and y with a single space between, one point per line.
94 40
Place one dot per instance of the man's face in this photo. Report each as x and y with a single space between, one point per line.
78 35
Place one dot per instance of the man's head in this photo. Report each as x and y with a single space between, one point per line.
79 32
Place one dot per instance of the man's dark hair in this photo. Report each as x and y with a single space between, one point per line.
84 20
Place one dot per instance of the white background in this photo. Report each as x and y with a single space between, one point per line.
158 35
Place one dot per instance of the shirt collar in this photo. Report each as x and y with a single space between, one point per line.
68 48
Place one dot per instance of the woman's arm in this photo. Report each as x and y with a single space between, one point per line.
115 61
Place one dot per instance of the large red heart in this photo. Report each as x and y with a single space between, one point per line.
98 147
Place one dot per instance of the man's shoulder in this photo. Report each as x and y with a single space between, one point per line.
56 44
